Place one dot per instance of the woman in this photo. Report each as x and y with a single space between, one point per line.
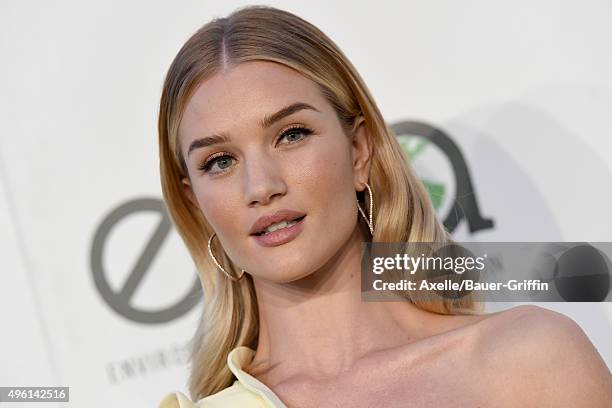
276 165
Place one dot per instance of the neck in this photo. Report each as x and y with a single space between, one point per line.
318 326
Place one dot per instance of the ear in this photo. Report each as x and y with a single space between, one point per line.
361 147
188 191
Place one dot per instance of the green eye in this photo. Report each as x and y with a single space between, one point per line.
296 131
222 160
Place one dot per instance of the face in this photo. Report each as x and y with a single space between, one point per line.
301 161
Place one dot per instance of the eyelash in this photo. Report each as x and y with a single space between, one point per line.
306 131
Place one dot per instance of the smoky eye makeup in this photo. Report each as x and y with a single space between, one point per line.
221 159
210 160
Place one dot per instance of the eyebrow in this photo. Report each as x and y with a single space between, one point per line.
266 122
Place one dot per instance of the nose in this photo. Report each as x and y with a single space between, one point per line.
263 181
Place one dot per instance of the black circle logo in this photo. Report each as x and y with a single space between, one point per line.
120 300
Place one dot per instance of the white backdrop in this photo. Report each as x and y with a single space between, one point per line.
522 87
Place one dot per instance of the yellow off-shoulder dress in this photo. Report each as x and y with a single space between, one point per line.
245 392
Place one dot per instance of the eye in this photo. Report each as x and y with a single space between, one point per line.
294 130
224 160
220 158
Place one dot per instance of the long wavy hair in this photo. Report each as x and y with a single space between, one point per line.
403 212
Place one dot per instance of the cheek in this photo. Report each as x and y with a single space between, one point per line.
219 206
325 180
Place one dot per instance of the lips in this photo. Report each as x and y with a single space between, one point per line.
282 215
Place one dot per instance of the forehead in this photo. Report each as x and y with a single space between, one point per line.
242 95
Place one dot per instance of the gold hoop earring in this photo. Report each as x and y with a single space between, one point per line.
370 222
217 263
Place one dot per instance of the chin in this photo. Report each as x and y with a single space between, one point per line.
281 275
287 277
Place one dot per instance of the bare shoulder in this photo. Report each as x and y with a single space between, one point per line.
542 357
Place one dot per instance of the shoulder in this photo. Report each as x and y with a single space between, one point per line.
176 400
544 357
233 396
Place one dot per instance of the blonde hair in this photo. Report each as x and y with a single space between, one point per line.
403 211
